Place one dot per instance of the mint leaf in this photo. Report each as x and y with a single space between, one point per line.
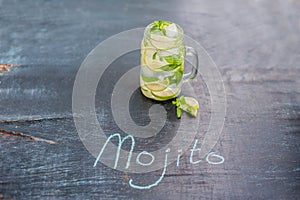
154 55
168 67
178 76
176 102
149 78
181 100
157 23
154 28
178 108
178 112
174 59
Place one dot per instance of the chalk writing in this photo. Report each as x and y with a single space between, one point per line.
158 181
212 154
178 157
211 158
145 153
121 141
192 153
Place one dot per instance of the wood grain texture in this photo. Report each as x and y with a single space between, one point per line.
255 44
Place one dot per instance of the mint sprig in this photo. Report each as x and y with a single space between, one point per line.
178 102
159 25
174 62
178 109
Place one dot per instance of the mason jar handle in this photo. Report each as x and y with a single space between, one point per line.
190 51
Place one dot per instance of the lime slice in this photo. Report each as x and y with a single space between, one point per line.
146 92
162 42
189 105
166 94
157 85
151 60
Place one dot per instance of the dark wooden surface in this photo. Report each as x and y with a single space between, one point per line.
255 44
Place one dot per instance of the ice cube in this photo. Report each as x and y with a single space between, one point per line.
171 30
169 52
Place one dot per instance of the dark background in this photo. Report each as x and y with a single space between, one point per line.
255 44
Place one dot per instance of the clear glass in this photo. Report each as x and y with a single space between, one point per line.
162 64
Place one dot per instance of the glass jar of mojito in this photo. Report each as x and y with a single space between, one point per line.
162 61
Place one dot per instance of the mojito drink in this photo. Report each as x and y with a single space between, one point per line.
162 60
